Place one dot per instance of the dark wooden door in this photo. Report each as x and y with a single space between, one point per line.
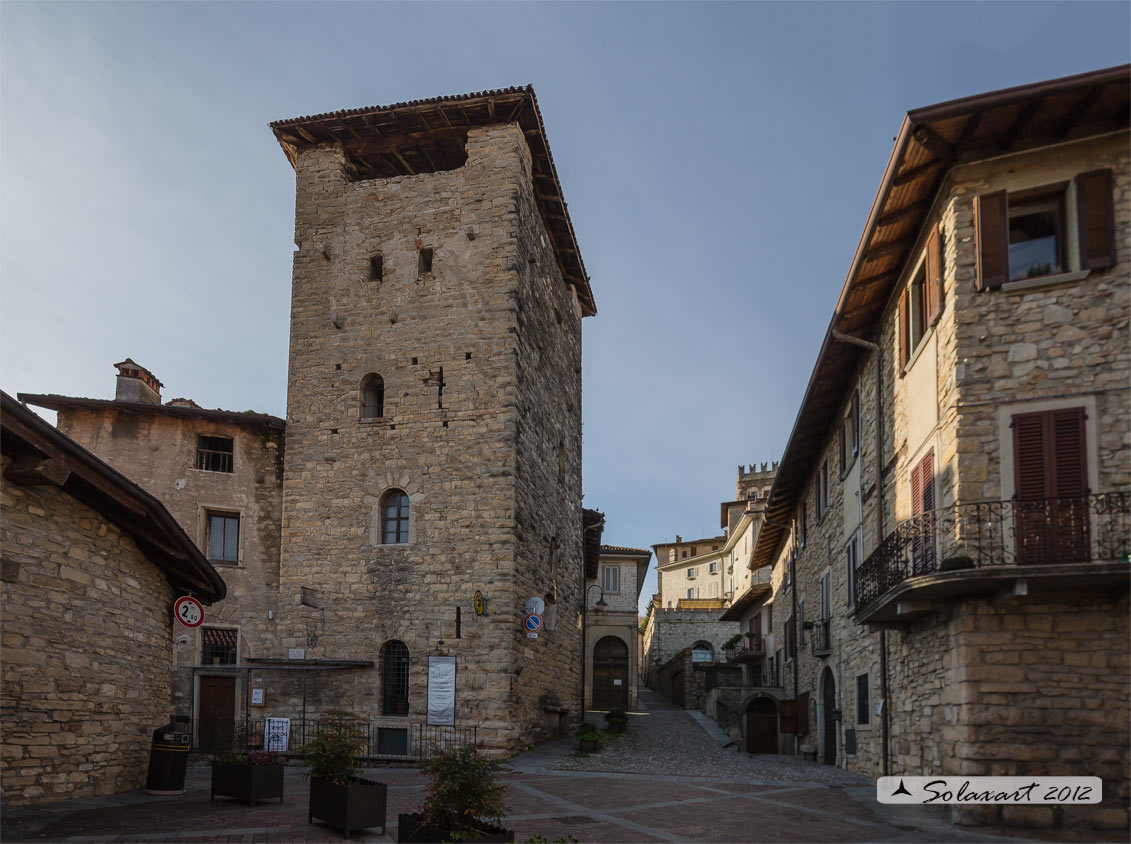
216 719
762 726
1051 478
610 674
677 689
828 701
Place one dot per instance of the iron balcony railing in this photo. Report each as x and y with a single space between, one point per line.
985 534
746 648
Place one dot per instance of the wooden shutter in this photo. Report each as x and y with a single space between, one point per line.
855 421
1029 456
787 716
904 329
1096 216
927 482
991 231
934 286
803 714
917 490
1069 461
843 453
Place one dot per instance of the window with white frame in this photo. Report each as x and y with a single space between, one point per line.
693 592
691 573
713 567
610 578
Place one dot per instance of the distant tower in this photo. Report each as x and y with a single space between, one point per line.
434 412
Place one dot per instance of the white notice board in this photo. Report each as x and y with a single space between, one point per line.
441 690
276 734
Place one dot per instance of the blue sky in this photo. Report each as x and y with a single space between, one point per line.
719 161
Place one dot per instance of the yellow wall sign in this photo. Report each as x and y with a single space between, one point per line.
479 602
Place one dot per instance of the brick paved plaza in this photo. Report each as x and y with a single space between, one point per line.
667 780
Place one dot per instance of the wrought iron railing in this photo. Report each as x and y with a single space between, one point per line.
380 739
985 534
211 460
745 648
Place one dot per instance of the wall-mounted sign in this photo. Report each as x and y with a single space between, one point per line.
276 734
480 604
296 653
532 624
257 697
188 611
442 690
535 606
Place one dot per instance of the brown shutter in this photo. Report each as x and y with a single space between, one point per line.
904 330
855 421
1097 219
917 490
787 716
1069 462
991 231
1029 455
934 287
927 482
803 714
843 454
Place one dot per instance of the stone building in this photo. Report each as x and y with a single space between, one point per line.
611 630
220 474
432 442
90 569
948 529
693 592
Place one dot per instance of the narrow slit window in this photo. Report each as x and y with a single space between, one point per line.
425 264
376 268
372 397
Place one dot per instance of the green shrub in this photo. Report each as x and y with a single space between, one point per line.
332 755
463 790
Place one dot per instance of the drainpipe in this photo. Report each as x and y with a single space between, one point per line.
878 355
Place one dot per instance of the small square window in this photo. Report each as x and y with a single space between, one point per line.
1036 236
214 454
218 646
713 567
223 537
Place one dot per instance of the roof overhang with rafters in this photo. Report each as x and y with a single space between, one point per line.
421 136
931 142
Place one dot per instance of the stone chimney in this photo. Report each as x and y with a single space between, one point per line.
137 384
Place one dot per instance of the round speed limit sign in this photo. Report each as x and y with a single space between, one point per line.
188 611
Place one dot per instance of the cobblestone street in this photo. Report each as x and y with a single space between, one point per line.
668 779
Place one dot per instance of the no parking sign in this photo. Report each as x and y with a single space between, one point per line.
532 623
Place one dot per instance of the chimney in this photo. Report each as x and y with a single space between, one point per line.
137 384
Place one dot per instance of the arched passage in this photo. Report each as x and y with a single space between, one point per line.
761 726
828 724
610 674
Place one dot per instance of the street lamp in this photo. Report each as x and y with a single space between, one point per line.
600 605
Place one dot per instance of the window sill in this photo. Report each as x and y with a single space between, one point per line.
1043 281
230 564
373 420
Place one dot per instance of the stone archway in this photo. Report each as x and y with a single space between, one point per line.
761 726
610 673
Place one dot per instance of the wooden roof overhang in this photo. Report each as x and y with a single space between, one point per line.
745 601
592 526
424 136
931 141
56 402
41 455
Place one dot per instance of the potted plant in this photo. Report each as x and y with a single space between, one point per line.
464 802
248 777
337 795
616 721
956 563
589 738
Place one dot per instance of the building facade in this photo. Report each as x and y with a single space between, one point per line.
91 567
948 528
612 628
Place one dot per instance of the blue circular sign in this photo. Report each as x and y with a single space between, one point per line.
532 623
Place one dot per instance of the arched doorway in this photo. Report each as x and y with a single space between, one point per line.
610 674
828 724
762 726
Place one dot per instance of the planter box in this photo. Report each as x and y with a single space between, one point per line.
410 829
357 805
248 783
589 746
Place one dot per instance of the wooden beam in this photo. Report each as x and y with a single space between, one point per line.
1022 120
1077 112
916 173
902 213
886 275
491 109
972 124
887 248
932 142
31 469
424 151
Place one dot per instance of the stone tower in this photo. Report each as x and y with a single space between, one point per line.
434 414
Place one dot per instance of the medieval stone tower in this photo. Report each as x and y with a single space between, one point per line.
434 416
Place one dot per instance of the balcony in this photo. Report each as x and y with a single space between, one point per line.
822 640
747 650
1001 547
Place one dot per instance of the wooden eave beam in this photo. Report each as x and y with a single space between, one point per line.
1077 112
34 469
972 124
903 213
932 142
1009 139
916 173
886 275
896 246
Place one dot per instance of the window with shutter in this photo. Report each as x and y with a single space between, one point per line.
934 281
991 232
922 505
1051 483
904 330
1096 219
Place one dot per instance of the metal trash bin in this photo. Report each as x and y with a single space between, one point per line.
168 760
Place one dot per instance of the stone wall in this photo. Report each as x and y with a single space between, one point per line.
157 451
86 650
492 468
675 630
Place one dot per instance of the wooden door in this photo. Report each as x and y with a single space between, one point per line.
762 726
828 737
1051 479
610 674
216 718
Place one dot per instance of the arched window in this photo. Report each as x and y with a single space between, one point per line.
394 678
394 518
372 397
702 652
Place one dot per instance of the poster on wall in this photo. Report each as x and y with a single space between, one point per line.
277 734
441 690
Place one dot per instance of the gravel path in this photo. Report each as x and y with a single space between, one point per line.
666 741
